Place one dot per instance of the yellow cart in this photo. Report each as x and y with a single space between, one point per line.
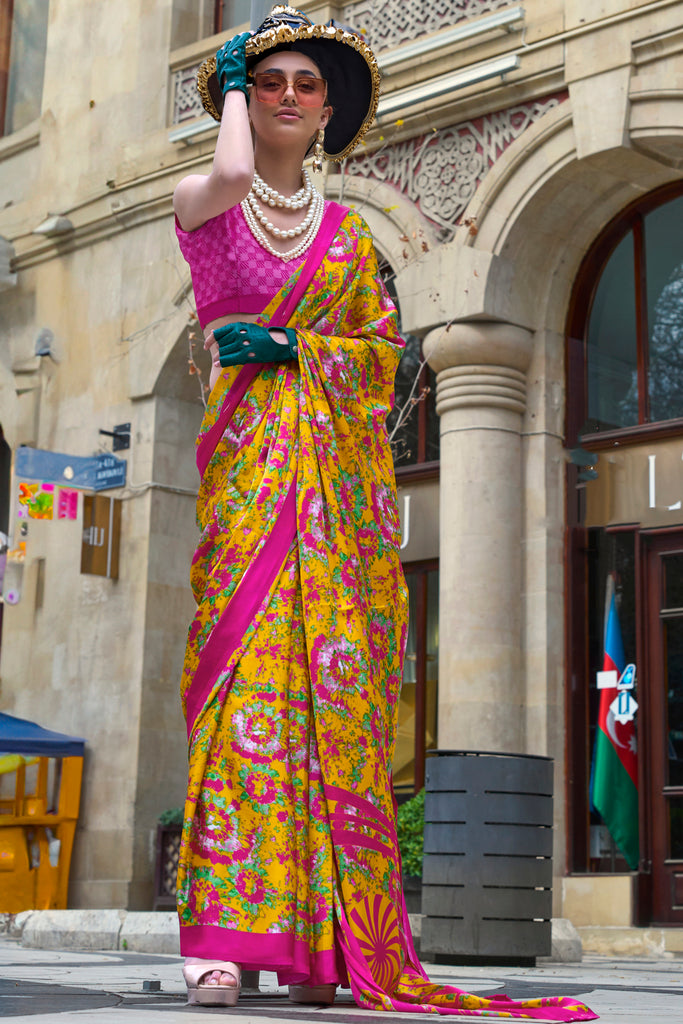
40 789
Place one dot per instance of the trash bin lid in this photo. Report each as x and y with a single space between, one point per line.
18 736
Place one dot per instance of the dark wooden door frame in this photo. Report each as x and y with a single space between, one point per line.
651 740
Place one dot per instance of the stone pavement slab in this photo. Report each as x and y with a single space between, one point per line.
53 987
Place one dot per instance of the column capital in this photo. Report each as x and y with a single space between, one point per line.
479 343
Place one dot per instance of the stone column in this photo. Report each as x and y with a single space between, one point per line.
481 398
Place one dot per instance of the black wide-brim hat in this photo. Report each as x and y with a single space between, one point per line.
345 61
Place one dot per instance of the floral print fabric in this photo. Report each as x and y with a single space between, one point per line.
293 669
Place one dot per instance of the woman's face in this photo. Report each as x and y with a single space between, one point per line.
287 121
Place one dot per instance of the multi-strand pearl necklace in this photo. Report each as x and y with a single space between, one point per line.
258 223
271 197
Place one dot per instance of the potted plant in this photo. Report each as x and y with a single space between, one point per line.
410 825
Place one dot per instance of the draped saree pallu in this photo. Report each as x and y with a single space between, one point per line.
292 675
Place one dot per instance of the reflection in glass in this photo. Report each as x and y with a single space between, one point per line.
414 397
404 442
27 63
612 347
664 259
673 681
233 13
433 430
673 581
676 828
607 553
404 757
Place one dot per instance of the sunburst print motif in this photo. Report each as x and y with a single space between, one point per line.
374 923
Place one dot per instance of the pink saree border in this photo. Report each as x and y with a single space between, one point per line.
242 607
364 987
290 957
343 796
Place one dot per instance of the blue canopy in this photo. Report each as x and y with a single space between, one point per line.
17 736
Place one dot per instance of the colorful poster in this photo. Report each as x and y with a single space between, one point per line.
36 501
67 504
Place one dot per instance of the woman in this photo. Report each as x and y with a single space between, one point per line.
289 859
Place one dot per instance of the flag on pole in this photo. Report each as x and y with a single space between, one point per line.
615 762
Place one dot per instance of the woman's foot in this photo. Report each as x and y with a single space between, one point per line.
321 994
212 982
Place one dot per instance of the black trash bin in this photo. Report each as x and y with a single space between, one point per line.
487 869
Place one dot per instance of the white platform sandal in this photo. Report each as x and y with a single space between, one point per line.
195 969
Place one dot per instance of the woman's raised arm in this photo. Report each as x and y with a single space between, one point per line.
199 197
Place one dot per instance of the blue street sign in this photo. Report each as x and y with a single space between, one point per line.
109 472
93 473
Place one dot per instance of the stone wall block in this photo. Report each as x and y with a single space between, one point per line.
603 125
70 929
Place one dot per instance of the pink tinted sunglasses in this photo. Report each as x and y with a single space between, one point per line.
271 86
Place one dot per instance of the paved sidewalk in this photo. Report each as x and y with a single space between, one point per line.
51 987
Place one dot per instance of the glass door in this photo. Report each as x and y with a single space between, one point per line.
662 720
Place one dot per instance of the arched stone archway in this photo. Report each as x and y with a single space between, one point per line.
171 420
493 304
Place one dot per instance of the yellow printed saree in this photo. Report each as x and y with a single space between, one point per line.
293 668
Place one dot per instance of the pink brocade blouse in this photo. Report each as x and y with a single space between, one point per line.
231 272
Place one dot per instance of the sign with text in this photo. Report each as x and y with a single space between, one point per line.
92 473
101 536
110 472
641 484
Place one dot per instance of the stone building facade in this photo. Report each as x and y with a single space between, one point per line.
515 149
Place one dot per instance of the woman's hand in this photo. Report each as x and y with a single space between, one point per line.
231 65
242 343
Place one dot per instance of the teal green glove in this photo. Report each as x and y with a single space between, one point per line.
231 64
242 343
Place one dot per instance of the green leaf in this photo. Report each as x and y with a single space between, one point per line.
410 825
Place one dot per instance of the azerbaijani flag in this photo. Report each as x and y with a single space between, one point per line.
615 764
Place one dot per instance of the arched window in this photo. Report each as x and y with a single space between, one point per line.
625 555
625 369
413 424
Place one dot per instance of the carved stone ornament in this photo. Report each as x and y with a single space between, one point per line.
388 23
440 172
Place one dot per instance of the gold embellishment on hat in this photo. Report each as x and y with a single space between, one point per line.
283 33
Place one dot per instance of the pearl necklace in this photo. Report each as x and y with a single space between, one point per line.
271 197
270 227
309 227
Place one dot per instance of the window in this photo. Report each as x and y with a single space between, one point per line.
229 13
606 553
417 712
625 406
23 38
626 327
413 424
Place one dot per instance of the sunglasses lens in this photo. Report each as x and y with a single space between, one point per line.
309 92
270 88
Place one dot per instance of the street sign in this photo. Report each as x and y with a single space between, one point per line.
92 473
109 472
